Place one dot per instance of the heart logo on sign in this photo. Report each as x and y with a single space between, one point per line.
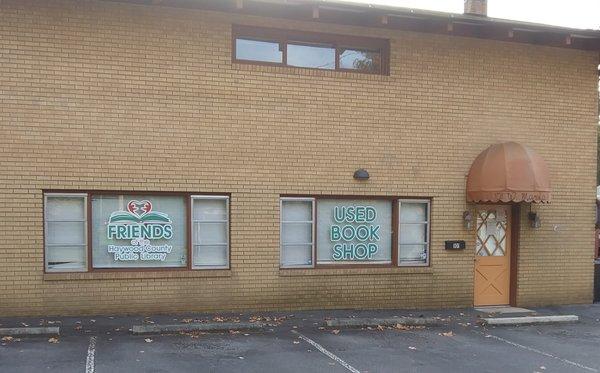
139 208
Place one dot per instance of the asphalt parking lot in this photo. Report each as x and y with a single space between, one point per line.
298 343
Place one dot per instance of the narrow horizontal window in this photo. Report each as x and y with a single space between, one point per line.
318 56
65 227
210 232
258 50
361 60
413 236
311 50
297 226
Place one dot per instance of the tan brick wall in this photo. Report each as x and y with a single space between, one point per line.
80 80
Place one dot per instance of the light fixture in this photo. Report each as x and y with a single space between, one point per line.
361 174
468 219
534 220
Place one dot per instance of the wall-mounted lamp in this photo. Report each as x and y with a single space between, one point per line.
468 219
361 174
534 220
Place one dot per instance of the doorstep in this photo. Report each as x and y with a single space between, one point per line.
504 310
512 316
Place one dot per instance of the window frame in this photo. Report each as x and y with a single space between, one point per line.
89 229
191 227
85 233
313 230
337 41
427 233
395 226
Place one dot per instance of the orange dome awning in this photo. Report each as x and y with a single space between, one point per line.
508 172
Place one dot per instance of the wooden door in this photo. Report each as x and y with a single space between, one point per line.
492 256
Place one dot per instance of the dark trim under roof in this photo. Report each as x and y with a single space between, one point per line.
396 18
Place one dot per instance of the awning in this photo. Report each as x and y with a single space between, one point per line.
508 172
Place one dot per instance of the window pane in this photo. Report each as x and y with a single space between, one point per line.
210 209
68 257
297 210
210 237
413 233
139 231
296 233
354 231
65 208
254 50
210 233
316 56
210 255
413 212
413 254
362 60
65 233
296 255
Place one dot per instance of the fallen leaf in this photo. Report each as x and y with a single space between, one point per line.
53 340
7 338
380 327
447 334
402 327
148 340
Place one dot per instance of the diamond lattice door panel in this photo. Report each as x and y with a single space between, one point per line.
492 256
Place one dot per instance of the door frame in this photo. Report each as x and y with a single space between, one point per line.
515 226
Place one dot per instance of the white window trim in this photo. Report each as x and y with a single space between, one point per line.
191 227
85 231
427 237
313 230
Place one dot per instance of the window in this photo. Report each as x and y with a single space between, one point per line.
318 56
310 50
354 231
257 50
139 231
65 238
360 60
210 231
136 231
297 242
413 245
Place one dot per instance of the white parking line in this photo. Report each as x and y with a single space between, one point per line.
531 349
326 353
91 353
